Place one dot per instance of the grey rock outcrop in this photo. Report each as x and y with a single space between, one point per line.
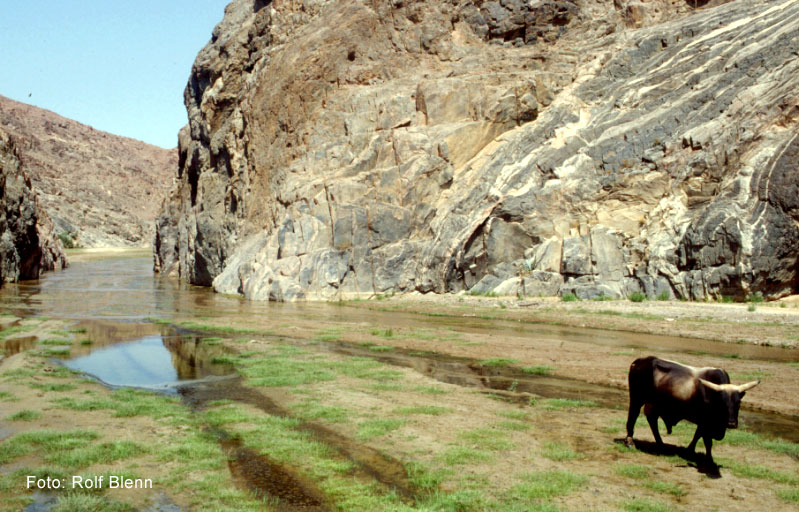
359 147
28 245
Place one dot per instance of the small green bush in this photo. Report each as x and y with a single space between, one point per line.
569 297
67 240
664 295
637 297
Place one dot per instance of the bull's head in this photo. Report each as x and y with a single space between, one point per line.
731 396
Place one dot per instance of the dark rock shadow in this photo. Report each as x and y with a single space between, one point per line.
692 459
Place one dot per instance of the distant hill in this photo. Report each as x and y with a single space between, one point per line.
100 189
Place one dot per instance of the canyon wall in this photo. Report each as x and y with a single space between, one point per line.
28 245
100 189
356 147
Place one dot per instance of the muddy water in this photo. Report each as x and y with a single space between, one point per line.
112 300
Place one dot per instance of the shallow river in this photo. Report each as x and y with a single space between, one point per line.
114 298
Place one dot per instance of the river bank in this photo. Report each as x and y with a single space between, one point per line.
392 404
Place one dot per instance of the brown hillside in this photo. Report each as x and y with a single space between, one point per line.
103 189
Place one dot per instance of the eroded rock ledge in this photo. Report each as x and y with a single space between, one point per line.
28 245
591 147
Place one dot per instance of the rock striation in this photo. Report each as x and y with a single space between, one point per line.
28 245
530 148
101 190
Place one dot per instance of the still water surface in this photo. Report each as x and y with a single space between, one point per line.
113 298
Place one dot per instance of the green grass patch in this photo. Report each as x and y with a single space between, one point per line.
25 415
80 502
544 485
366 368
53 386
789 495
224 329
225 415
559 452
53 352
313 409
329 334
460 455
102 453
644 505
381 348
55 341
129 402
497 362
431 390
423 478
514 415
542 369
49 441
514 425
637 297
747 470
377 427
86 342
16 329
635 471
487 439
283 371
383 333
475 293
569 297
743 438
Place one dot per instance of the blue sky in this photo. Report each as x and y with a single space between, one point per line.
119 66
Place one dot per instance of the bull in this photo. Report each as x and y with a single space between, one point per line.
675 392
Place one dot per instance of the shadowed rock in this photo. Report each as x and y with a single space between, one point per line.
28 245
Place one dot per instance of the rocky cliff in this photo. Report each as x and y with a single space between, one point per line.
101 190
537 148
28 244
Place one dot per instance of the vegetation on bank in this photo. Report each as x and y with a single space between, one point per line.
454 450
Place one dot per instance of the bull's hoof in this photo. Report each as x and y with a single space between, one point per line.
628 442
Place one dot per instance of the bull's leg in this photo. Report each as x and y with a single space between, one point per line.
697 435
632 417
708 445
652 418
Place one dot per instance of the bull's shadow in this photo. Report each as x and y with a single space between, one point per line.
693 459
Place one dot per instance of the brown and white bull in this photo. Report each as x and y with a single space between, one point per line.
676 392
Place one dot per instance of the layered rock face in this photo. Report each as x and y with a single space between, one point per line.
590 147
28 245
101 190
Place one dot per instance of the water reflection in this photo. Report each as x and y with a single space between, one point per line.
16 345
125 290
154 361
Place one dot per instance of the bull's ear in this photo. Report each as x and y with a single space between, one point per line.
711 385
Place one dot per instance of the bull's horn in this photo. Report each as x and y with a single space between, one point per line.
748 385
711 385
